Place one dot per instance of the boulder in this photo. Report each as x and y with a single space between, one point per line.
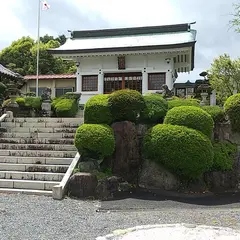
90 166
221 181
125 161
107 187
82 185
154 176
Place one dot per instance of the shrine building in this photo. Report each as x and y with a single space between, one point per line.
139 58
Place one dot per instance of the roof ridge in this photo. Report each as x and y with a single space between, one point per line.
131 31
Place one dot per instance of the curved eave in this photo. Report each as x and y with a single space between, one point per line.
120 49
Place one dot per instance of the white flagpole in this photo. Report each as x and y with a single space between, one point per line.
38 45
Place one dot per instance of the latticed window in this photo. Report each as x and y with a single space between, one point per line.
61 91
156 80
117 81
90 83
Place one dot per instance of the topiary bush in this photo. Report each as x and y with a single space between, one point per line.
216 113
33 102
95 140
126 105
66 108
155 109
97 110
55 101
192 117
21 102
224 154
178 102
184 151
232 108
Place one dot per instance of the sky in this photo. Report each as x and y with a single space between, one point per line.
214 36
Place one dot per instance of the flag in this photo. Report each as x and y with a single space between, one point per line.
45 5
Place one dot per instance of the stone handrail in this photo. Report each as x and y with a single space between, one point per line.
3 117
59 191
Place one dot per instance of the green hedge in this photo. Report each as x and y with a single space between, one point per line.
97 110
224 154
95 140
186 152
232 108
21 102
126 105
66 108
155 109
177 102
33 102
192 117
55 101
26 102
216 113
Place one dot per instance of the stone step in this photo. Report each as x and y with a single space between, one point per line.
45 120
40 125
39 153
50 147
39 130
26 191
38 140
33 167
36 160
37 135
27 184
42 176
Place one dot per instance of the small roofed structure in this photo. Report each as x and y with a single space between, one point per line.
139 58
7 76
58 83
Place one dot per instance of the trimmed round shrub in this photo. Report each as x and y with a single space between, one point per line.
216 113
192 117
66 108
232 108
21 102
55 101
97 110
155 109
178 102
33 102
224 153
184 151
126 105
95 140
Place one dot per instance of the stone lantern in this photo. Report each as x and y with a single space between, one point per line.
12 92
204 89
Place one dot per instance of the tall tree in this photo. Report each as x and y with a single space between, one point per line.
224 76
21 56
235 22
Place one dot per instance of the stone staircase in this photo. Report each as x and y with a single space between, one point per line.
35 153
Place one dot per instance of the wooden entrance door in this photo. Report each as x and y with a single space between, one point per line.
118 81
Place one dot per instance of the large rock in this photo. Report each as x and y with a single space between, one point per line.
126 158
225 181
82 185
107 187
154 176
90 166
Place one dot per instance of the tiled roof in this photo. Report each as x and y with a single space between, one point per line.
143 38
50 76
8 72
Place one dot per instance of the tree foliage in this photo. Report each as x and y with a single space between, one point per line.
21 56
235 22
224 76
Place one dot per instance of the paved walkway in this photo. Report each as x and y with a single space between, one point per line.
174 232
33 217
